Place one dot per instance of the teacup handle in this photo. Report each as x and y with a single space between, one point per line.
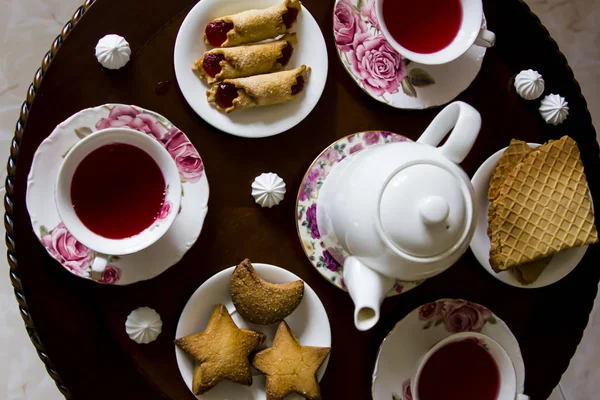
485 38
98 266
463 120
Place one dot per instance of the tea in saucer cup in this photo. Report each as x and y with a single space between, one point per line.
433 32
118 191
485 368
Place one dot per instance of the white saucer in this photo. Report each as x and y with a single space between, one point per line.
71 254
360 45
309 323
259 121
560 266
416 334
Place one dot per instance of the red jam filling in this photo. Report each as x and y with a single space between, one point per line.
211 65
216 32
290 17
297 88
286 54
226 93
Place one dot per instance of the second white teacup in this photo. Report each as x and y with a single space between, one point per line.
105 247
470 32
507 378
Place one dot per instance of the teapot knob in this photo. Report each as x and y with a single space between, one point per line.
434 210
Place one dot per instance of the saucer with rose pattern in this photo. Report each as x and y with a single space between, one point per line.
414 335
74 256
385 75
329 261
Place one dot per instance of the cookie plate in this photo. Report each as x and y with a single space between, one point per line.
258 121
309 322
560 266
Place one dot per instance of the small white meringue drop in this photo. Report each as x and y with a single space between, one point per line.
113 52
143 325
529 84
268 189
554 109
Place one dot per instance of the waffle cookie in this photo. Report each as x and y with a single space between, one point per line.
543 207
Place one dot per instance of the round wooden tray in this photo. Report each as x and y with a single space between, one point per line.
81 324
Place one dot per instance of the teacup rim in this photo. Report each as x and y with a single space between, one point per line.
89 238
439 57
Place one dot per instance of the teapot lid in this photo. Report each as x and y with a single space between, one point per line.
423 209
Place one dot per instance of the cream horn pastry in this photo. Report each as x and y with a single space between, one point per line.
252 25
236 62
258 90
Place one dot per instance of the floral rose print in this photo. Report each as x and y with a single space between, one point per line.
431 311
368 10
330 262
406 391
456 315
164 211
367 55
378 66
186 157
463 316
355 148
311 220
67 250
129 117
371 138
111 274
310 183
346 24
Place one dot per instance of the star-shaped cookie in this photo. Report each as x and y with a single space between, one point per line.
220 352
290 367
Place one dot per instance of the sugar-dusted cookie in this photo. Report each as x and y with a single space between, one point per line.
221 352
258 90
236 62
290 367
262 302
252 25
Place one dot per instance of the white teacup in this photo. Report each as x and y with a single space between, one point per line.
469 33
508 376
102 246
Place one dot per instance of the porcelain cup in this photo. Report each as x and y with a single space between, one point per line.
102 246
470 33
508 377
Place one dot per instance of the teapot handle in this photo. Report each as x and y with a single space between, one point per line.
459 119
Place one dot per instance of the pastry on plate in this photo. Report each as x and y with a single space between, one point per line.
252 25
290 367
221 352
543 207
262 302
235 62
258 90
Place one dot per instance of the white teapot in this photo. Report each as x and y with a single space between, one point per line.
401 210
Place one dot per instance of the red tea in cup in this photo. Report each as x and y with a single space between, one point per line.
117 191
423 26
460 370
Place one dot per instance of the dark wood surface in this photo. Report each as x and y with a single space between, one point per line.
81 324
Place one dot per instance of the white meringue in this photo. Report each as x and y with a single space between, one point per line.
529 84
268 189
554 109
112 51
143 325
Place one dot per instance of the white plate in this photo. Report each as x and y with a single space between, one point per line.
258 121
309 323
560 266
75 257
416 334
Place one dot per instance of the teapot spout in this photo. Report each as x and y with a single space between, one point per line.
367 289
